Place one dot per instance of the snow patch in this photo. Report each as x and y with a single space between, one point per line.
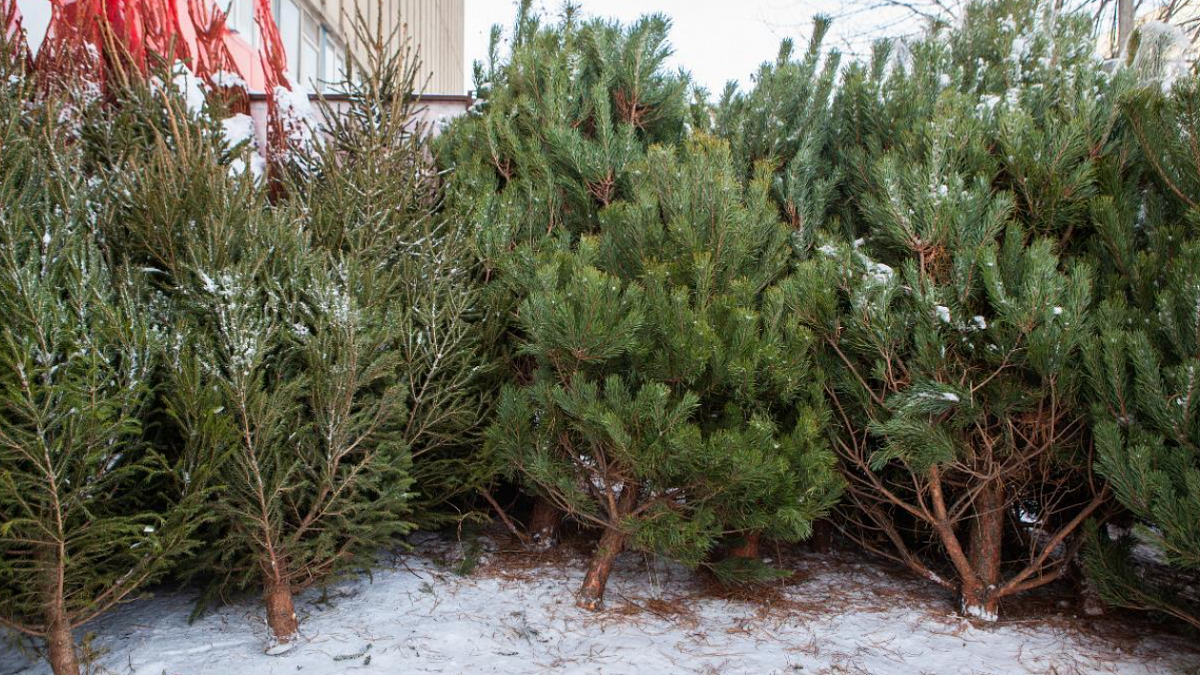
190 86
417 616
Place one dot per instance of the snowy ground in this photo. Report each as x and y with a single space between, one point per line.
840 617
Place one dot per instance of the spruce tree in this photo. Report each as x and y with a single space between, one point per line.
90 514
374 201
316 346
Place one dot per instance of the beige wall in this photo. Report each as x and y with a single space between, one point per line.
435 28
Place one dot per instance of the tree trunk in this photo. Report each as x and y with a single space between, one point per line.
591 594
544 523
984 553
822 536
749 546
281 614
60 645
1088 598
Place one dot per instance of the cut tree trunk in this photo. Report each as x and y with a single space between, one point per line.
591 594
281 614
979 597
748 548
544 523
60 645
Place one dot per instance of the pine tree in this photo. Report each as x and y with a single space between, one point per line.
786 121
562 119
673 401
970 161
658 392
1143 364
89 513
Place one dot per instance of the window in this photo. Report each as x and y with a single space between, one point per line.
310 54
334 61
240 19
289 32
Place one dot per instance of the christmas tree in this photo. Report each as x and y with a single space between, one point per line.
543 136
674 402
956 310
659 393
373 201
319 341
90 512
1143 363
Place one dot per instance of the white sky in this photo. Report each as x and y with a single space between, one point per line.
717 40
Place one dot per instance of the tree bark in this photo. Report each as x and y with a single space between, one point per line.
544 523
281 613
749 546
591 593
822 536
60 645
979 598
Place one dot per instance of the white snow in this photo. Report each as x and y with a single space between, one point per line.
1162 54
981 613
943 313
238 129
980 322
838 615
225 78
190 86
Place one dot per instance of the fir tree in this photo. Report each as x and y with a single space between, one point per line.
291 391
316 346
88 511
374 202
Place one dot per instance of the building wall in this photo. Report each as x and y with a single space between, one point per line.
434 28
319 36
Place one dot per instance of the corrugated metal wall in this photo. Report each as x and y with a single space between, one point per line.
435 28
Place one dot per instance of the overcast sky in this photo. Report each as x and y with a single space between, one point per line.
717 40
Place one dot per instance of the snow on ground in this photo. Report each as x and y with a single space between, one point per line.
842 617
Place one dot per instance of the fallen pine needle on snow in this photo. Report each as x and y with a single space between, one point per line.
515 616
